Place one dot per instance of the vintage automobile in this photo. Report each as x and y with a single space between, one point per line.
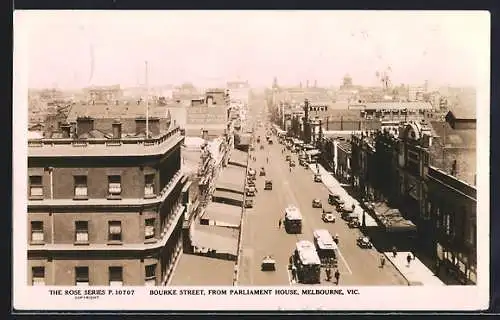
251 183
262 172
261 147
317 178
268 185
258 139
327 216
250 192
288 157
335 200
268 264
270 141
251 172
364 242
354 223
248 203
303 163
292 163
316 203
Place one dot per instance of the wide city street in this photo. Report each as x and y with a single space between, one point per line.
262 235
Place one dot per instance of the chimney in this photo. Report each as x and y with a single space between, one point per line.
117 130
204 134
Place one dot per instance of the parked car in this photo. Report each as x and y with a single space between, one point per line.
328 217
288 157
248 203
335 200
354 223
364 242
292 163
317 178
262 172
316 203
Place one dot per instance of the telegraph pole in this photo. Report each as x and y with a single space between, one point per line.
147 102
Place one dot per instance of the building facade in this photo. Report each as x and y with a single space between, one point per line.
396 165
105 211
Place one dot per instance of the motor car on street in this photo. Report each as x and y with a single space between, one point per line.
328 216
250 192
248 203
317 178
354 223
335 200
316 203
288 157
262 172
268 264
268 185
292 163
364 243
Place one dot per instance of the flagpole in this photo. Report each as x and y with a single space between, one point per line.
147 102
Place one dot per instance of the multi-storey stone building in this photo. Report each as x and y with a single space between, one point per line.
427 170
105 202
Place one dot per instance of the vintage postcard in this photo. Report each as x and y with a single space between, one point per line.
251 160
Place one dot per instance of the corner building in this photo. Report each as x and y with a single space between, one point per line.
105 208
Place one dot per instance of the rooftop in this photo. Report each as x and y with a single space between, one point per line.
222 239
231 178
238 157
96 147
122 110
391 218
224 213
390 105
192 270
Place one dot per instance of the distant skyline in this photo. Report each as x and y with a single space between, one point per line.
72 49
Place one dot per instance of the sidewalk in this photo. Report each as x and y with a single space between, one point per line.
416 273
332 184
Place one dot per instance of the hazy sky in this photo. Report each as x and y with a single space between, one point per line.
210 47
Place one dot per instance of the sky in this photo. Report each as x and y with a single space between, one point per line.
71 49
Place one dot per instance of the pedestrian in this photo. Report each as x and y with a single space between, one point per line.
279 224
328 274
408 259
290 169
294 273
382 261
337 276
394 252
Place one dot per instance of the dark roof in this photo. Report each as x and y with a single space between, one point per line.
391 218
235 197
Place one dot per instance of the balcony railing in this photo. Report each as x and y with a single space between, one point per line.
106 142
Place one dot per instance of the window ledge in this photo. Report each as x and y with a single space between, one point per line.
37 242
150 196
81 243
80 198
152 240
36 197
115 243
114 197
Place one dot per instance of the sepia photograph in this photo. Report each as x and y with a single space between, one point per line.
295 160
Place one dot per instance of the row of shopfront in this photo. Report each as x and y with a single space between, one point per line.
419 207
